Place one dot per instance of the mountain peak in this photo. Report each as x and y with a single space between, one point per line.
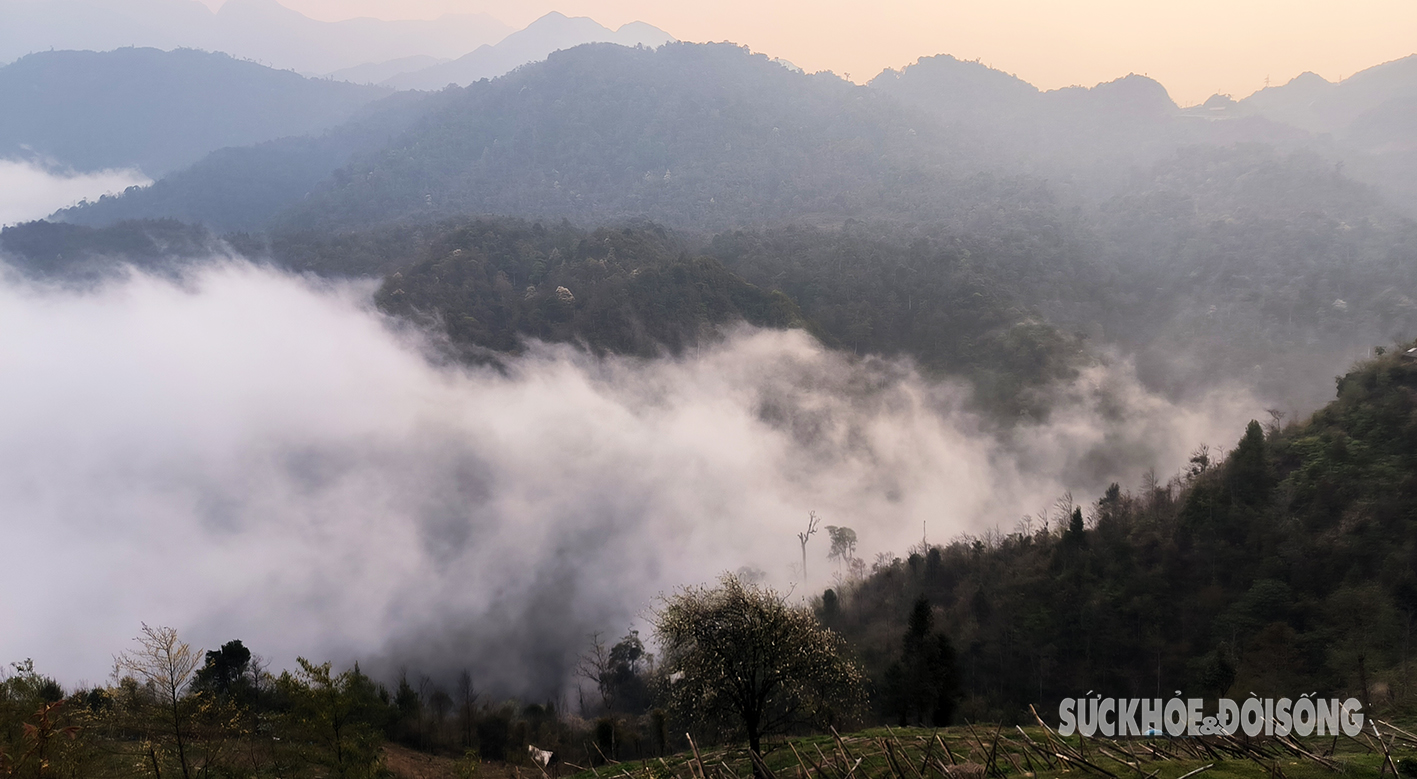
550 33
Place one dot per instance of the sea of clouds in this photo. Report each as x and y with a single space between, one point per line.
31 190
243 453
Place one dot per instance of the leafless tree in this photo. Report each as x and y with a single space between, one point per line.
812 521
166 664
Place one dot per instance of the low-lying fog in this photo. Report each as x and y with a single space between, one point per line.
247 454
30 190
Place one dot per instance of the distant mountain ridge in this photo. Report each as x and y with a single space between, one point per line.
1318 105
595 133
550 33
378 72
261 30
1365 121
158 111
691 134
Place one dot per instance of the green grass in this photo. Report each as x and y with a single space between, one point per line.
821 757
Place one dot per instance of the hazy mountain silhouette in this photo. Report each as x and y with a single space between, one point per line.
158 111
691 134
959 90
1315 104
1364 122
709 136
1091 138
243 188
262 30
376 72
1296 103
551 32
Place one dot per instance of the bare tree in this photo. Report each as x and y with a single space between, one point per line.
1200 461
1276 420
1064 507
467 711
594 666
166 664
812 521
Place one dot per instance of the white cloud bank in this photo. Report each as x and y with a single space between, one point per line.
30 191
251 455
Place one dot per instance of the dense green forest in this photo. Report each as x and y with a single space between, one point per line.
953 305
623 291
1286 565
58 251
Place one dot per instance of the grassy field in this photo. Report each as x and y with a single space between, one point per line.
986 750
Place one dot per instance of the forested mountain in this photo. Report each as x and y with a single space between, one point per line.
1246 262
1363 121
70 253
1209 262
551 32
1085 140
261 30
158 111
690 135
244 188
959 90
624 291
1237 265
1286 565
955 305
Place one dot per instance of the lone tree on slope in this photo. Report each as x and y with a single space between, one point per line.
744 662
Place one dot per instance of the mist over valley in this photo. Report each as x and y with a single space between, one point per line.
510 372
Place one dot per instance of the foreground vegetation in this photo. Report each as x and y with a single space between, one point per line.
1288 565
993 750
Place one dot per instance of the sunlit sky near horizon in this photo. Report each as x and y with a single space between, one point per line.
1194 47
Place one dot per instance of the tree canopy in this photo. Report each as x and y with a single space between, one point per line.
738 658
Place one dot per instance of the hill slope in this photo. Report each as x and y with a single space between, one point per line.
1289 564
244 188
158 111
692 135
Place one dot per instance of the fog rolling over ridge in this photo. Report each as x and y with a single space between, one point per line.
262 456
30 190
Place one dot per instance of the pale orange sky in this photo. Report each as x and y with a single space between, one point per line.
1195 48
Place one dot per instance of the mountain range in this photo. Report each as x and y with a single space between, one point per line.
1366 118
158 111
550 33
1105 215
260 30
453 49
